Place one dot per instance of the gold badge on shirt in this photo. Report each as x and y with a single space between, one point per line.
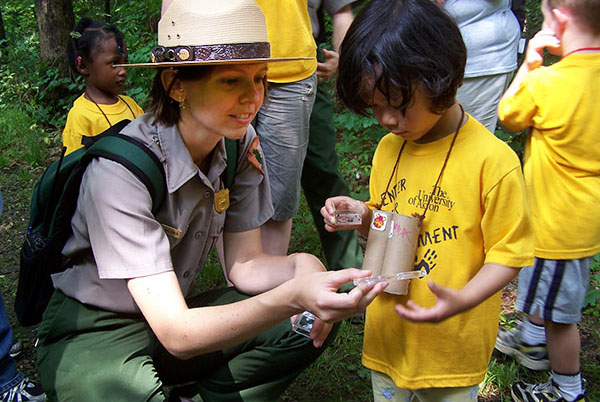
222 200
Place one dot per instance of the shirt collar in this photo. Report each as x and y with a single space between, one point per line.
177 161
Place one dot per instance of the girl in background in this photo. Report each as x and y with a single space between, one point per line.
92 51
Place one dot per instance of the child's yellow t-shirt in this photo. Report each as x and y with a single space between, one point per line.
562 159
85 119
478 215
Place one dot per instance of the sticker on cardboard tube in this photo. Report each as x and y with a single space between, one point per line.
379 221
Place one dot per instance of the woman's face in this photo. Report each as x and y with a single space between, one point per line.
224 101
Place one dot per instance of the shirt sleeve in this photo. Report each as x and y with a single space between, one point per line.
506 222
516 113
250 195
127 241
75 127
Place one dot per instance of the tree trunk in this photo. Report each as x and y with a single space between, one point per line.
55 19
2 32
107 11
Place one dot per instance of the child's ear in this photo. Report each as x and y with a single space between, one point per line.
169 79
562 17
82 66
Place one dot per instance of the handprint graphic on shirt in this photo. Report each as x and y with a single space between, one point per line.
428 261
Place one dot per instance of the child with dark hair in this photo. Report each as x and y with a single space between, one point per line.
404 60
92 50
559 104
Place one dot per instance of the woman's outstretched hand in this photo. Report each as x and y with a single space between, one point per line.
317 293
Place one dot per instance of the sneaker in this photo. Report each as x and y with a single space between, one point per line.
15 349
25 391
547 392
534 357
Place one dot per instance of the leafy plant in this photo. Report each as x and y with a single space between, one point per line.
592 299
16 127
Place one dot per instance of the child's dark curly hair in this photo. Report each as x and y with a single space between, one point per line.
396 46
85 40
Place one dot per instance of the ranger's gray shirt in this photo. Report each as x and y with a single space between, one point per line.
114 219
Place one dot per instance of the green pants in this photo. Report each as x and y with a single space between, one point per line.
321 180
87 354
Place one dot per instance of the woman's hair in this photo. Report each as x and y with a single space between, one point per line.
164 109
86 38
397 46
587 12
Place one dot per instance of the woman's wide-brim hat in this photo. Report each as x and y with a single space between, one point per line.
211 32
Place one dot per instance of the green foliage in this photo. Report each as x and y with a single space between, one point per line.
20 138
338 375
515 140
359 136
592 299
534 18
211 276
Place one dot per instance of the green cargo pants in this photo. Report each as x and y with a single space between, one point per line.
92 355
321 180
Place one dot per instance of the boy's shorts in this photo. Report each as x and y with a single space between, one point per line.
555 289
385 390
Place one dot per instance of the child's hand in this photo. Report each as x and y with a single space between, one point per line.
349 206
545 38
448 303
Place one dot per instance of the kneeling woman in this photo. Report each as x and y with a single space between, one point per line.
123 321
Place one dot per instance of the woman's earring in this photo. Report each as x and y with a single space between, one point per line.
182 103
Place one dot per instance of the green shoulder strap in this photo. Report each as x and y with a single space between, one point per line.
135 156
231 148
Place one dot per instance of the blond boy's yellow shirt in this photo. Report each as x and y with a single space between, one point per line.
560 104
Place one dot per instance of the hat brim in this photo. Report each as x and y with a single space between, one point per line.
213 62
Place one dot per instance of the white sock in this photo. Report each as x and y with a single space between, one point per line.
532 334
570 385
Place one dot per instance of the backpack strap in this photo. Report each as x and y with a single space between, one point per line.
231 149
136 157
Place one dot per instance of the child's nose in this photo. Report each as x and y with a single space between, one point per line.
389 118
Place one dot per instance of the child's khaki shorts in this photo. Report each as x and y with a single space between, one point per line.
384 390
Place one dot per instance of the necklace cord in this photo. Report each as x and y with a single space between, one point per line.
581 49
104 114
439 178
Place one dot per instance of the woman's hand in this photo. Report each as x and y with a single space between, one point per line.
317 293
319 332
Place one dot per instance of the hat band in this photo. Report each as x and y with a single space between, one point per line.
256 50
